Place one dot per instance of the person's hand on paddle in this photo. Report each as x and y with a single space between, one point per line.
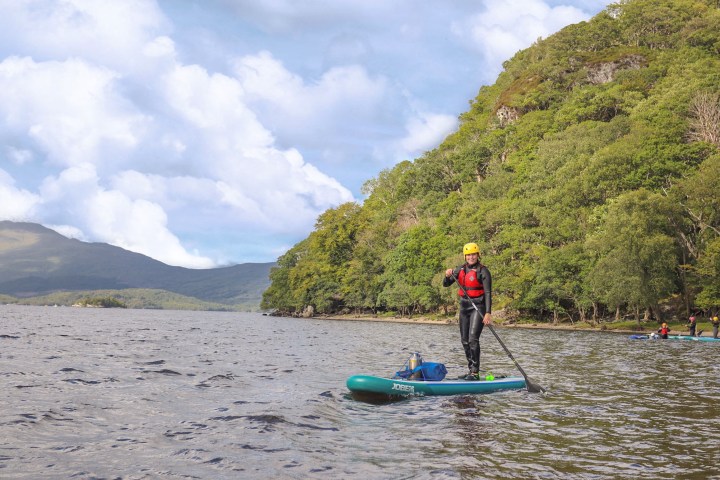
449 273
487 319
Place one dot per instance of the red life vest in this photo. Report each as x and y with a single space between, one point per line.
664 330
468 278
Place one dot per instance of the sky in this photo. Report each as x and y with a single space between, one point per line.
206 133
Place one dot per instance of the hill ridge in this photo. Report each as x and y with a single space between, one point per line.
36 260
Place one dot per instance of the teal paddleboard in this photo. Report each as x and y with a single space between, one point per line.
694 339
367 387
676 337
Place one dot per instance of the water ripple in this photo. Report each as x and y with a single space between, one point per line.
162 394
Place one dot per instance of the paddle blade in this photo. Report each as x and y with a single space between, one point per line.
533 387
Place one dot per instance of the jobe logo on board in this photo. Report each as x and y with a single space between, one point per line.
403 388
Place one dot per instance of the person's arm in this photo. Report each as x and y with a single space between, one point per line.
450 276
487 287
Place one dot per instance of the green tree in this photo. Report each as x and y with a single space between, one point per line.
410 269
635 253
587 173
281 295
697 227
559 282
708 269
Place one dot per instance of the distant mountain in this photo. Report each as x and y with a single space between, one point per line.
36 261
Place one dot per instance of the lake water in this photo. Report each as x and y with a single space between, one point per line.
93 393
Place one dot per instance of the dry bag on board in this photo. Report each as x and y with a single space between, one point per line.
428 371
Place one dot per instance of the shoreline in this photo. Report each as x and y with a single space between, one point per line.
604 328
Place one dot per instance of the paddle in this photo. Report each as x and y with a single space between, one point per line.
531 386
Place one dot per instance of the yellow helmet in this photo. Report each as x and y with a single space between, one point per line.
715 318
470 248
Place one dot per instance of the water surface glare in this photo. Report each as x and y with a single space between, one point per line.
96 393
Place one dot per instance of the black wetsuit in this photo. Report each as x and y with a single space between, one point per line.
471 321
715 325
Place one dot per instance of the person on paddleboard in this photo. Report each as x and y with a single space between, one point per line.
664 330
715 324
475 288
692 325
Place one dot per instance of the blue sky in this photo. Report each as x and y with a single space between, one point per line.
212 132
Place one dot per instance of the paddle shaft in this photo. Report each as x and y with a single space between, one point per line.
532 387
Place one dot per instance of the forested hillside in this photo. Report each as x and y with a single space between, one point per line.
589 174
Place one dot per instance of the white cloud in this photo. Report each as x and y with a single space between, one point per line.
18 156
288 16
105 32
138 226
508 26
167 137
129 154
15 203
331 108
159 47
426 131
70 110
90 211
69 231
232 148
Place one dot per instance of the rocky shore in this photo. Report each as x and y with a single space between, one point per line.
605 326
